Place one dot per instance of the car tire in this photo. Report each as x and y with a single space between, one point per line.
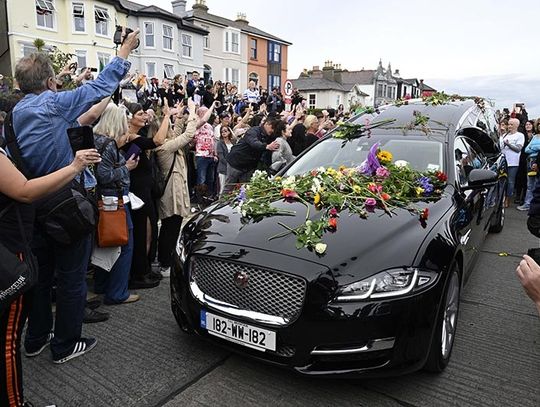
498 226
445 331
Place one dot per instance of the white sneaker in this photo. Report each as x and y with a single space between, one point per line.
165 271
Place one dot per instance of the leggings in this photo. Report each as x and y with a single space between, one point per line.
12 320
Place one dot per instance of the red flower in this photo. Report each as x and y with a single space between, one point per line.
333 213
441 176
288 193
385 196
332 223
374 188
314 173
425 214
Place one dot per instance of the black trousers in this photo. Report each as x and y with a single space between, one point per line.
140 264
168 235
12 320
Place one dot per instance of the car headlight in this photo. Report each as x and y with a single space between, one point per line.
389 283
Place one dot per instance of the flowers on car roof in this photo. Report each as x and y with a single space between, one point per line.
376 185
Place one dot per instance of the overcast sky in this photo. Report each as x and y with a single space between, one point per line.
473 47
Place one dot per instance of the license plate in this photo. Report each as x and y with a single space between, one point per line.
238 332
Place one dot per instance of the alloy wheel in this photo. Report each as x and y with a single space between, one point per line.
450 315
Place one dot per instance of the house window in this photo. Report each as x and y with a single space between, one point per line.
232 75
187 45
150 69
312 100
45 13
169 71
81 58
102 21
274 52
149 41
206 38
253 49
78 17
232 41
380 90
103 60
338 100
28 49
274 81
167 37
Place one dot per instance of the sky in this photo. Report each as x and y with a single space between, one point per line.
475 47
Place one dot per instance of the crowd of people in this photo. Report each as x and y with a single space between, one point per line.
158 152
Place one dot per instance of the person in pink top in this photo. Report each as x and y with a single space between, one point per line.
205 158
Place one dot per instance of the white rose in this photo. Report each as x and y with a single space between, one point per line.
320 248
401 163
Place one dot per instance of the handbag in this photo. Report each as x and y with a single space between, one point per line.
112 229
16 276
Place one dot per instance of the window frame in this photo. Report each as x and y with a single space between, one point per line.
228 41
272 48
188 46
105 17
206 38
48 9
102 54
168 38
150 23
253 49
314 104
168 75
79 53
75 17
146 64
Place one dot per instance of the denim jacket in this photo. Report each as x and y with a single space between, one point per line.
41 121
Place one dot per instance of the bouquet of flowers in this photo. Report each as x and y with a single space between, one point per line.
378 184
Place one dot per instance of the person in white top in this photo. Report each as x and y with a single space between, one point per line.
511 144
251 94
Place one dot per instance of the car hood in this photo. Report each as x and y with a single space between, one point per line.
358 248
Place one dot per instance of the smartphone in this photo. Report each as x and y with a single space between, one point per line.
73 67
93 69
133 150
81 138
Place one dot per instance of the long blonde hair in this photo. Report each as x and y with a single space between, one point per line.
112 123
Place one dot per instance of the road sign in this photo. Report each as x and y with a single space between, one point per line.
288 88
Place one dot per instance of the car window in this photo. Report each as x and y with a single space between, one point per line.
461 161
477 157
419 153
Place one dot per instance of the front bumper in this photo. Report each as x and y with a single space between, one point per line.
360 339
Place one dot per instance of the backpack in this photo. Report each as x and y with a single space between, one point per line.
159 179
65 216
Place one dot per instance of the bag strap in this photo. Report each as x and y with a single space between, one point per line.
13 146
170 169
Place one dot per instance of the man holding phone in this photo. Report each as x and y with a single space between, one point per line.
40 122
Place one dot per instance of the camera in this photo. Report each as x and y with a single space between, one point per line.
117 39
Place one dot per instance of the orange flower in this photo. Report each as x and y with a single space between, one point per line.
332 223
288 193
385 196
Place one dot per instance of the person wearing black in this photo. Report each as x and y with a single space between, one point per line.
208 96
166 92
16 195
297 141
141 186
245 155
178 90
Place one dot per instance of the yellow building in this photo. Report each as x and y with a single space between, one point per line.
84 28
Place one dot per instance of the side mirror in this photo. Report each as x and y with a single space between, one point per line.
479 179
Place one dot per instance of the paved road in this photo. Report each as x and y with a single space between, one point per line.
142 359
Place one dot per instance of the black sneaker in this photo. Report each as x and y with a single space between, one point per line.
92 316
144 282
80 348
31 351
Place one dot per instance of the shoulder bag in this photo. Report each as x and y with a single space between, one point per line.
160 181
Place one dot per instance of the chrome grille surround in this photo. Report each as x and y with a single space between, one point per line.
270 296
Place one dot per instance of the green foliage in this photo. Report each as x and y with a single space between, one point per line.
39 44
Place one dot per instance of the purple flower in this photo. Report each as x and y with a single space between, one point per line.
382 172
426 184
370 202
241 197
371 163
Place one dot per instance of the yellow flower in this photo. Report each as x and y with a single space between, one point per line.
332 172
384 156
356 189
342 167
317 198
419 191
278 179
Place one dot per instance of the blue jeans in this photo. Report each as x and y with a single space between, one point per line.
69 265
206 168
114 283
531 184
512 172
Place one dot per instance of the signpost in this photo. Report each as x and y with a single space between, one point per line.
288 89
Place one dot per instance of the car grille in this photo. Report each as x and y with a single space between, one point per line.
268 292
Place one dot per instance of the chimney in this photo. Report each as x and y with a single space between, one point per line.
200 5
179 7
396 73
317 73
328 70
241 18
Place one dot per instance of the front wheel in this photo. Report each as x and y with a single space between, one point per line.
445 332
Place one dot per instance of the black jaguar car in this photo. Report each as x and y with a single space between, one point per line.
384 298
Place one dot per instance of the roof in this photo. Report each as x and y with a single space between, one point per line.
304 84
412 81
364 77
200 14
154 11
428 88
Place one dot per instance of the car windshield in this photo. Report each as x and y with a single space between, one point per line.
420 153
